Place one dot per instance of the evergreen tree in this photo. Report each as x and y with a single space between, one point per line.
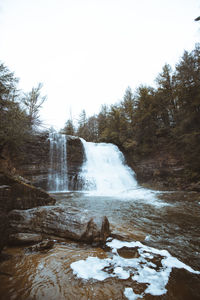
69 128
82 130
102 119
166 103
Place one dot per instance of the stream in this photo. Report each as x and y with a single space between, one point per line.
167 221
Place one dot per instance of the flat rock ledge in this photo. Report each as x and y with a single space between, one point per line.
58 221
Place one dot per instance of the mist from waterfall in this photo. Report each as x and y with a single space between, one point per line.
57 178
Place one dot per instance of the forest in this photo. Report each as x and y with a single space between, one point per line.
147 120
153 119
19 114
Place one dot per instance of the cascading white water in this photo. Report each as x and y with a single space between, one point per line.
104 170
57 178
105 173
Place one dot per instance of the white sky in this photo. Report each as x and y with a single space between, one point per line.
87 52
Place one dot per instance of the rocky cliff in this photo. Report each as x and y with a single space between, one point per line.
162 170
34 165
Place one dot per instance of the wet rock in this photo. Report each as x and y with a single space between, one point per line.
57 221
44 245
24 238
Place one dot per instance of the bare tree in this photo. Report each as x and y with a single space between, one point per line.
33 101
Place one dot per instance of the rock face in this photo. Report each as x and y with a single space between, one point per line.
160 171
75 159
35 165
17 194
56 221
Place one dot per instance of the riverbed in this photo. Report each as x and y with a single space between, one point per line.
158 228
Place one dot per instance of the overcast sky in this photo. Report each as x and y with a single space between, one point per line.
87 52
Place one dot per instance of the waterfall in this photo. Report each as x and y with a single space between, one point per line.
104 170
57 178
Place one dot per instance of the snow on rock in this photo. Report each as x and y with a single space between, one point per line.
153 267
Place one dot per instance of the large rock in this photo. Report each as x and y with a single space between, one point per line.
17 194
57 221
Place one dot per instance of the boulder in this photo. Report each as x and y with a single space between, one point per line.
59 222
16 193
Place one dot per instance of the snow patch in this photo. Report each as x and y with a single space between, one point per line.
143 269
91 268
130 295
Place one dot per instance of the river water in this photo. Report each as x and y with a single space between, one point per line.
164 221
